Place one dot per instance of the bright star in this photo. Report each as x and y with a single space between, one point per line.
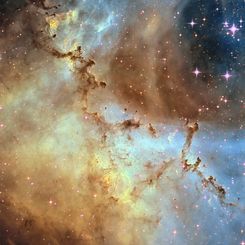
227 75
233 29
192 23
196 72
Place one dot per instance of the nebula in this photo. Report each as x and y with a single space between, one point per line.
108 136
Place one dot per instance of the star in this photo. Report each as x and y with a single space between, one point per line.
233 29
192 23
241 21
227 75
226 24
196 72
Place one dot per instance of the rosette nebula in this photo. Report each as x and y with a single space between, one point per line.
122 122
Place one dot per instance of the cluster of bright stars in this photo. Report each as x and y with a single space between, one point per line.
233 29
227 75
